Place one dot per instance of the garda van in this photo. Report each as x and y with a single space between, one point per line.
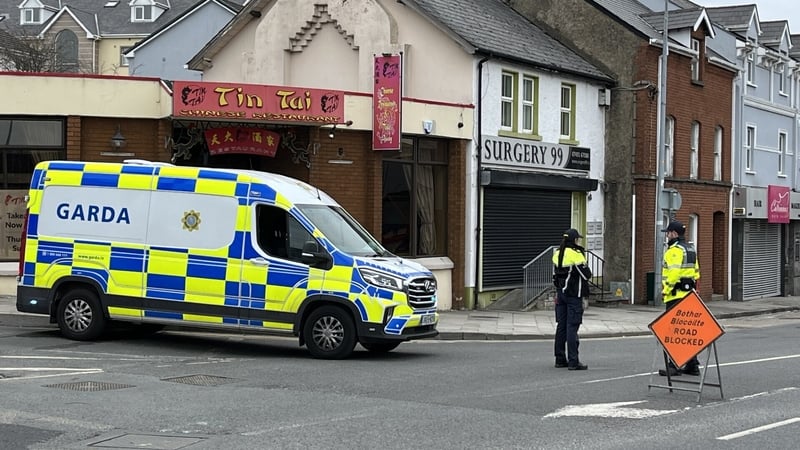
158 244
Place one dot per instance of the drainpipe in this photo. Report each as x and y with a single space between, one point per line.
478 185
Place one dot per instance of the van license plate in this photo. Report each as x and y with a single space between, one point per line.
429 319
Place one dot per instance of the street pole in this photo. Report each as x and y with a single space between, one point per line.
660 160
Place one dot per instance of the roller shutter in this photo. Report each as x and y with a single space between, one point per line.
519 224
761 268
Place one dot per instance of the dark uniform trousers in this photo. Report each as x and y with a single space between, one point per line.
569 316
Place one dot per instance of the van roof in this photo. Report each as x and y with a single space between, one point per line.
294 190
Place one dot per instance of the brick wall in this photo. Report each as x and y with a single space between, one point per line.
145 138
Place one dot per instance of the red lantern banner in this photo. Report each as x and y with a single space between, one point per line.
387 103
249 141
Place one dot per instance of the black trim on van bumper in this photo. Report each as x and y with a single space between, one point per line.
373 333
34 300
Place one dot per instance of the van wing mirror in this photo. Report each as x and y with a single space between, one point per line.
316 257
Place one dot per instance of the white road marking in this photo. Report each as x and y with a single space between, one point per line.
711 369
53 375
24 417
609 410
758 429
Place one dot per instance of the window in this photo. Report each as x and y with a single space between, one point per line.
25 142
518 111
718 154
696 60
507 102
567 112
693 227
781 79
782 153
669 138
694 151
142 13
123 61
279 234
66 51
749 147
415 198
31 16
751 68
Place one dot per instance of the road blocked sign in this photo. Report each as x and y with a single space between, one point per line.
686 329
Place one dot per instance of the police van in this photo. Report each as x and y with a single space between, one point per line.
158 244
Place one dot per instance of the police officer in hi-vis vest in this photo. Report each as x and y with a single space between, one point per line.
679 276
571 277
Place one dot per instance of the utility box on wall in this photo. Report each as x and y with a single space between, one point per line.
620 290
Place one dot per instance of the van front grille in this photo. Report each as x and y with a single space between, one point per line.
422 292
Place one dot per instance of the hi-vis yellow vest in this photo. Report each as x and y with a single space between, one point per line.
680 261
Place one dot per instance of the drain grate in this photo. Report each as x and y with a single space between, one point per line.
201 380
89 386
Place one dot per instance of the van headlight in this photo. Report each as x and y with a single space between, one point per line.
381 279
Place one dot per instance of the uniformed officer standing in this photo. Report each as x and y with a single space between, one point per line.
679 276
571 278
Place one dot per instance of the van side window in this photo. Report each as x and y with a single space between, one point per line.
279 234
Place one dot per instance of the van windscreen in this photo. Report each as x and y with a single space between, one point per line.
343 231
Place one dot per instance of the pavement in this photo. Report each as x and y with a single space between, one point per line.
598 321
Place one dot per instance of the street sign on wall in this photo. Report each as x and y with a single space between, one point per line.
686 329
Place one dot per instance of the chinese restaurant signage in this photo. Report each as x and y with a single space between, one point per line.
251 141
12 209
386 103
502 151
237 102
778 204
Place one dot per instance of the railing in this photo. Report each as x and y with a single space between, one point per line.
538 276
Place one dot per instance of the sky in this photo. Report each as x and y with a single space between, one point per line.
768 10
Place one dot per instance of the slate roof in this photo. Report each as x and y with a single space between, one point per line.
795 50
734 18
772 32
678 19
630 12
492 27
98 19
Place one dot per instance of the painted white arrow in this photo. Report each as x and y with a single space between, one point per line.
609 410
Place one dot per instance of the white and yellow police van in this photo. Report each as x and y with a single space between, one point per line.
240 250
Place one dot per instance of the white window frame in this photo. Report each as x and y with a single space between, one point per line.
669 139
507 102
527 104
781 70
782 139
123 61
718 153
31 16
566 112
139 13
751 68
694 152
749 147
694 227
696 60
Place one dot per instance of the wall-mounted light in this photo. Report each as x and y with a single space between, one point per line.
118 140
332 133
340 158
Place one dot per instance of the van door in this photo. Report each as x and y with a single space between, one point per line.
275 281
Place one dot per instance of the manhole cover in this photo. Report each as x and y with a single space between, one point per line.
201 380
149 441
89 386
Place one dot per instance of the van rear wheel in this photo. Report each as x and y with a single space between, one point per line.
380 347
329 333
80 316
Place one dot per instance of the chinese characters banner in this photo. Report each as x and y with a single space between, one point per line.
250 141
386 103
235 102
778 201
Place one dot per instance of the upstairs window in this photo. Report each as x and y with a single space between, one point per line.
66 51
31 16
567 112
694 151
696 60
669 138
751 68
123 61
781 78
518 104
782 153
142 13
749 147
718 154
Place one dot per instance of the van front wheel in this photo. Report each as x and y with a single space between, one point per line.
330 333
79 315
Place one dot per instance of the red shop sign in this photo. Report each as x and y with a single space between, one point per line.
386 103
250 141
778 204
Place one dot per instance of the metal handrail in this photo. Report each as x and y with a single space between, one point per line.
538 275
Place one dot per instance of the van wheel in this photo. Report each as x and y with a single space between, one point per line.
380 347
329 333
79 315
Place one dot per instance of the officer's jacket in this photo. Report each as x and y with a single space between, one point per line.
571 276
680 265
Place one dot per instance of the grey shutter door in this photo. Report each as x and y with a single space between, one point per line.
761 268
518 225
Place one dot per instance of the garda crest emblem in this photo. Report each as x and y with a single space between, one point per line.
191 220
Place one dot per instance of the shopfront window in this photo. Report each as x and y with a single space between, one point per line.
415 198
23 143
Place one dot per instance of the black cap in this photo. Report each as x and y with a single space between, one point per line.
572 234
677 227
